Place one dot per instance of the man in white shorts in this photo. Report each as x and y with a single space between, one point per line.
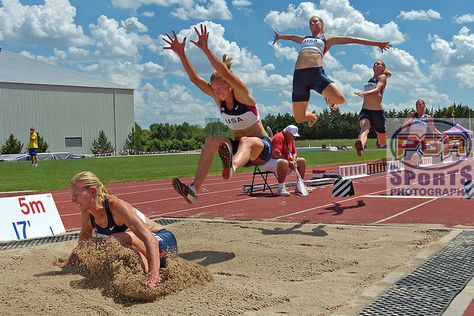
284 157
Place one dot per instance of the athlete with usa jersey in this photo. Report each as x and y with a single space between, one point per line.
309 73
237 107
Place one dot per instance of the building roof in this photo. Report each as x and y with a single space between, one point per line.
15 68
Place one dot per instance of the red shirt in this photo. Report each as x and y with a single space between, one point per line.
279 144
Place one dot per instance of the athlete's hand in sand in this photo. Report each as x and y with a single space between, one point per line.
153 281
71 261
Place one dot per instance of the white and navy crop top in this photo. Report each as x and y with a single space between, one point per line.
240 117
371 84
112 227
419 124
317 43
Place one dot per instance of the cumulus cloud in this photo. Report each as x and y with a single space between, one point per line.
455 57
465 18
112 40
419 15
148 14
135 4
186 9
246 65
241 3
52 22
339 18
165 105
133 25
216 9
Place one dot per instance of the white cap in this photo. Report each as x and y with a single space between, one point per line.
293 130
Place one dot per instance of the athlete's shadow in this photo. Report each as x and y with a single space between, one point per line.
337 209
294 230
206 258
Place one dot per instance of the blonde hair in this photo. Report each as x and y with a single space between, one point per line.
87 180
320 19
227 60
386 72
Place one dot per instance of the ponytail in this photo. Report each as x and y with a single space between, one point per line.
227 60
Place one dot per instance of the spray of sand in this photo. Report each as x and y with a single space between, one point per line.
106 264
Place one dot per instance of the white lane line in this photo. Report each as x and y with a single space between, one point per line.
399 196
206 206
405 211
321 206
168 199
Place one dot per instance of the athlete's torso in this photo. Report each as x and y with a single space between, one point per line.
311 53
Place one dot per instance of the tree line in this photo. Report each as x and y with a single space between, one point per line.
164 137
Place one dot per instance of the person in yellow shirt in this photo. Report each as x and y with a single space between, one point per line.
33 147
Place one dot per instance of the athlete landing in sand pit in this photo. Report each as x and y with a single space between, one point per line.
106 215
237 106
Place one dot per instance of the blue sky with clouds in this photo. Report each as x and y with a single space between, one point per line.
120 41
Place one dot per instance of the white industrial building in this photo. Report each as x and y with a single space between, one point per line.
66 107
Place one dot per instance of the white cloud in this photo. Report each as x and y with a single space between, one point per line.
172 104
111 40
419 15
465 18
246 65
50 23
241 3
454 58
135 4
186 9
284 52
133 25
216 9
148 14
339 17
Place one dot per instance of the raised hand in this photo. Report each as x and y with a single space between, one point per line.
276 38
202 38
174 43
384 46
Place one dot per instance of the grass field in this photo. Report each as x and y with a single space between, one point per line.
56 174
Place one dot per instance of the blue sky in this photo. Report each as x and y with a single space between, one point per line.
120 41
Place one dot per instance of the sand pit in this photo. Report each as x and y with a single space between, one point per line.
262 268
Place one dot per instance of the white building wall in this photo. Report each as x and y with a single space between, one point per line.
61 111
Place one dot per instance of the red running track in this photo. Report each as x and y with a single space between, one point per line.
225 199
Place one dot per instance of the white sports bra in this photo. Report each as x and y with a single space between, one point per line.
317 43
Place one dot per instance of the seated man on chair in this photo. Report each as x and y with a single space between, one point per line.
284 157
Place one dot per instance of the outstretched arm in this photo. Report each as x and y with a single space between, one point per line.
342 40
178 48
291 37
241 91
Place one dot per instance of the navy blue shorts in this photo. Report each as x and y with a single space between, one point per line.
168 244
376 119
306 79
264 156
33 151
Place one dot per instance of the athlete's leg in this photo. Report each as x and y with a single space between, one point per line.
211 146
300 113
249 149
333 95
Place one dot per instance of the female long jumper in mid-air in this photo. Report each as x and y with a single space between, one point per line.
309 73
237 107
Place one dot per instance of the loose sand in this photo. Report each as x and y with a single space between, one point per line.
243 268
